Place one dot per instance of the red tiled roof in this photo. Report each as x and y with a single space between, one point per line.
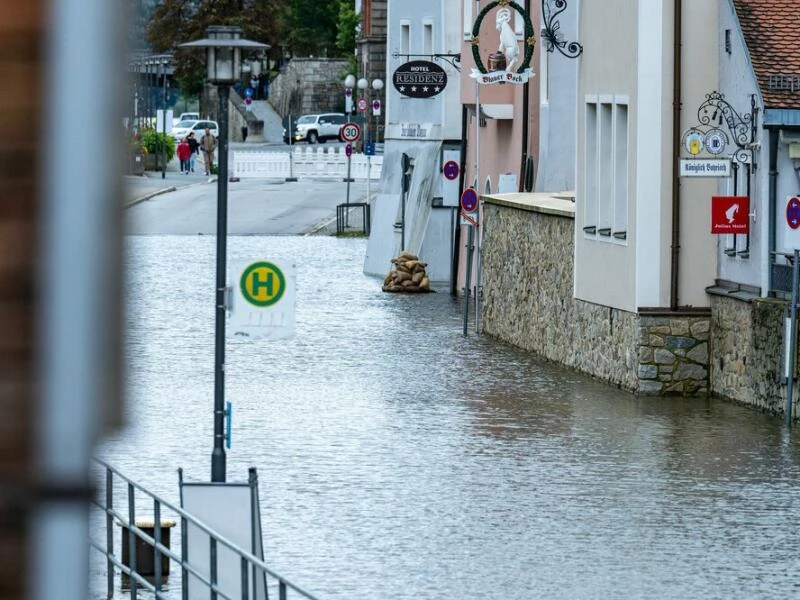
772 32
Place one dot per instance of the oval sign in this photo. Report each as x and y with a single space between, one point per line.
419 79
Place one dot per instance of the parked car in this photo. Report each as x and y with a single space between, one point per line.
186 116
316 128
183 128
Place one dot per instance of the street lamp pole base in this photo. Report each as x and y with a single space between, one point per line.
218 465
291 179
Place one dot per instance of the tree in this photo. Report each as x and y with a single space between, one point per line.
349 24
310 27
178 21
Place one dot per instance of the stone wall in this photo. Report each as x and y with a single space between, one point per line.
309 85
527 277
747 345
673 354
527 259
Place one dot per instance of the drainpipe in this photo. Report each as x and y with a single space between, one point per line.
773 196
457 239
676 143
525 110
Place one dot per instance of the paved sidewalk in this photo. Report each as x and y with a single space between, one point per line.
139 188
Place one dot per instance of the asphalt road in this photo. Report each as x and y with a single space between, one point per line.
187 205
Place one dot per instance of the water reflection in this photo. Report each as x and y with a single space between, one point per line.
399 459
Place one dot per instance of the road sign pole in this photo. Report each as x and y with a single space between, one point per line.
347 198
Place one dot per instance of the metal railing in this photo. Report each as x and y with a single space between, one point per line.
152 577
307 162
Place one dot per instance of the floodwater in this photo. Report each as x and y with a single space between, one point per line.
398 459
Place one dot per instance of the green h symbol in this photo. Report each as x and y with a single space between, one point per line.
266 283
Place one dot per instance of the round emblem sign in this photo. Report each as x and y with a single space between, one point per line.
262 284
469 200
419 79
362 104
450 169
793 212
715 141
350 132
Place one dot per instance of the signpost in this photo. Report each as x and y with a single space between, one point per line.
350 132
450 170
263 301
362 104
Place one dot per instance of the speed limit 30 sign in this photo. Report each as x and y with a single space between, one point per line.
350 132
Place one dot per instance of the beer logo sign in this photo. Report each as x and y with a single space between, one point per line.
419 79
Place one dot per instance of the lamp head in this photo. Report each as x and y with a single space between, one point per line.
349 81
362 84
377 84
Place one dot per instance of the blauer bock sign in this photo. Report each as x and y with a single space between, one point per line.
419 79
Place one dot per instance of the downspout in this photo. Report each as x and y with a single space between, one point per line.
676 142
773 197
457 237
525 127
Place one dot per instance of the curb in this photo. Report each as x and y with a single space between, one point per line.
146 197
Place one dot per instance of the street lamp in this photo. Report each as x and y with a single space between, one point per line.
164 62
223 45
377 85
349 83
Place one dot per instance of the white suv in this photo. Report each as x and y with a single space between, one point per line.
314 128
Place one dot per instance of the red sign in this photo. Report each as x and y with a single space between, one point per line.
469 200
730 214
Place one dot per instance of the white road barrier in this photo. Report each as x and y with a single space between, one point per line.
308 162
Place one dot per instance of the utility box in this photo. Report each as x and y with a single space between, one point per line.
145 553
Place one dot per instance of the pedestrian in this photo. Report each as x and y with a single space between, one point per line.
194 147
254 86
184 151
208 143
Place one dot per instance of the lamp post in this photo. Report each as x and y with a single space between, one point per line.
164 122
223 45
377 85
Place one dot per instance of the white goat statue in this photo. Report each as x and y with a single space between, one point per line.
508 41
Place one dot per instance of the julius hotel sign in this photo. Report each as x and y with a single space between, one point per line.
419 79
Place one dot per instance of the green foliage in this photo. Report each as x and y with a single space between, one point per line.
177 21
347 29
153 141
310 27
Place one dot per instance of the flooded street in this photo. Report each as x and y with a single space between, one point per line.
398 459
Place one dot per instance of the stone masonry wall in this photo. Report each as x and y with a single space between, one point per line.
747 346
673 354
309 85
527 266
527 274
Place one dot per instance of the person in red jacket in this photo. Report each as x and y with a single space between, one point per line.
184 151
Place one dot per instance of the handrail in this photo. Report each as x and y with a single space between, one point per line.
248 560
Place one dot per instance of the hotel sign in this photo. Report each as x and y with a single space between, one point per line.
705 167
419 79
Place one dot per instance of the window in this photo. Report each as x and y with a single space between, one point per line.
427 37
606 168
405 37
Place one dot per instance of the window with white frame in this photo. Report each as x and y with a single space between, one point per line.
606 168
468 18
427 36
405 36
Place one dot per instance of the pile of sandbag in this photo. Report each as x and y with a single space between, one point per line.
407 275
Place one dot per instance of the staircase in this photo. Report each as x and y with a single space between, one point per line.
273 128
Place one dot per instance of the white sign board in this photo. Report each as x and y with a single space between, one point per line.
705 167
162 125
263 300
231 510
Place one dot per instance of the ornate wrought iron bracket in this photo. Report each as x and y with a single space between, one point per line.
551 34
742 128
453 59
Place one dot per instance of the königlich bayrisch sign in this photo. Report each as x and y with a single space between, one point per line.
501 63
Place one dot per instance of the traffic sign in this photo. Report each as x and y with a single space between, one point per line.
469 200
262 302
362 104
262 284
350 132
348 150
793 212
376 107
450 169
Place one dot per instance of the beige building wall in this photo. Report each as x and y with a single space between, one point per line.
605 268
698 258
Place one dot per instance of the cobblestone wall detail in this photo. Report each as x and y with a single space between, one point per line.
747 346
673 355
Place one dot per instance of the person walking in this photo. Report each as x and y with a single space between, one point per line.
208 143
184 151
194 147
